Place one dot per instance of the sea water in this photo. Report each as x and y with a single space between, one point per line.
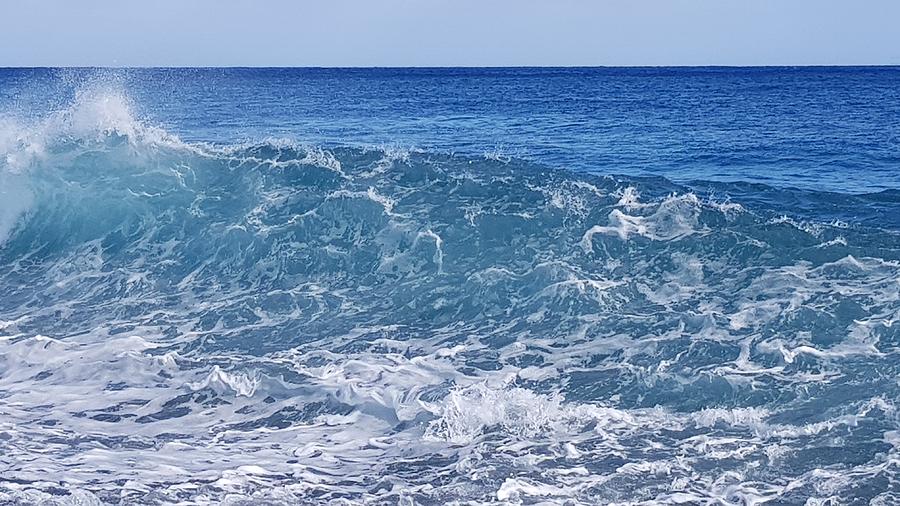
450 286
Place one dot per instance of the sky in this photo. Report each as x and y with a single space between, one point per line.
366 33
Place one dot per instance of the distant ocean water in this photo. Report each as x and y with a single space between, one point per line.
450 286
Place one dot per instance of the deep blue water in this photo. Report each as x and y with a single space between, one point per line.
450 286
823 128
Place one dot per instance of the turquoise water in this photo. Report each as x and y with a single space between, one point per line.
384 286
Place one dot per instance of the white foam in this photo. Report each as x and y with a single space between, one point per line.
629 198
468 411
515 489
674 218
242 384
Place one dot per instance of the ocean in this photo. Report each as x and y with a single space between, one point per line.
568 286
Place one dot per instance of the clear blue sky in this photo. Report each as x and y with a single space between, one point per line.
448 32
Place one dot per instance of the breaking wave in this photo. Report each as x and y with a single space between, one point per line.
273 322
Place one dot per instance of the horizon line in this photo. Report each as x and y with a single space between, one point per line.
432 67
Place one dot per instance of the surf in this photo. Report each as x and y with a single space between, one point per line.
288 322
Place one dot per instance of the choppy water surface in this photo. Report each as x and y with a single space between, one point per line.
212 298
